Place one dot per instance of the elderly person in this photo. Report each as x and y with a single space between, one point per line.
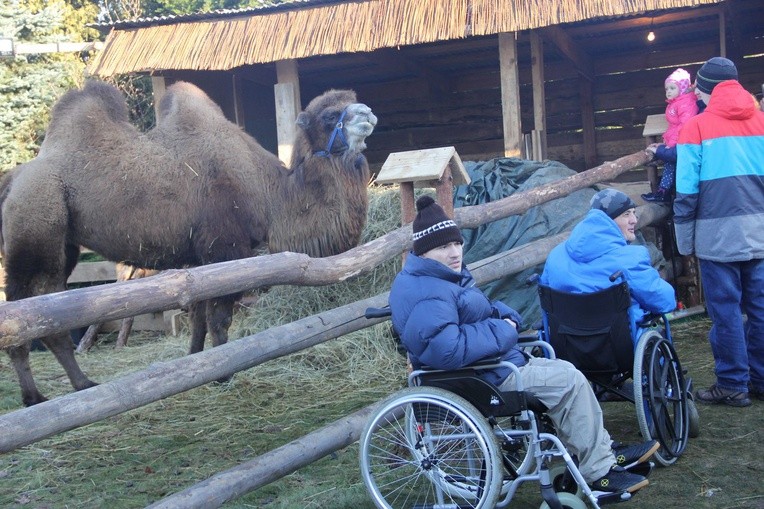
598 247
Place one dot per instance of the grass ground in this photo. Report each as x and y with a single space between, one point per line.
139 457
144 455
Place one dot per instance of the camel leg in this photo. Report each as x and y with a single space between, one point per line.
219 314
62 348
89 339
20 358
124 331
197 319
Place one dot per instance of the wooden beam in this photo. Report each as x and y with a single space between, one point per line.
581 61
510 95
539 97
271 466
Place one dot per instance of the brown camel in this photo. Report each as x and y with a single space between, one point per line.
194 190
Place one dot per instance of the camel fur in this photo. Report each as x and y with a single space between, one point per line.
194 190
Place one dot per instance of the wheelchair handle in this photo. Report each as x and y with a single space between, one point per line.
378 312
616 275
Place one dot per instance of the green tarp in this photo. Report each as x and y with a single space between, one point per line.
497 179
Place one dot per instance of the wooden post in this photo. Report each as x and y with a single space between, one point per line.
539 97
510 94
655 126
287 97
158 87
238 104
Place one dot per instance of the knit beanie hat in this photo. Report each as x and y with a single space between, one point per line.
432 227
612 202
681 78
713 72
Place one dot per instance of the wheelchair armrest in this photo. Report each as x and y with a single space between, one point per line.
378 312
482 363
527 335
652 319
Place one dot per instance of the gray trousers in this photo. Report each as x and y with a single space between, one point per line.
573 409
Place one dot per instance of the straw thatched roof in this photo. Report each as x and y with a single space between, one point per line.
225 40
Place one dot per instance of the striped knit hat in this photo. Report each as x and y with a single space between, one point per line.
432 227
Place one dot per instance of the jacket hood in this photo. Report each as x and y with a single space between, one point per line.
730 100
682 99
598 225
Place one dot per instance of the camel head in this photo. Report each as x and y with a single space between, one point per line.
335 123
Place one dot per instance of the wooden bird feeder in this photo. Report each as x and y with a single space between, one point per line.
440 168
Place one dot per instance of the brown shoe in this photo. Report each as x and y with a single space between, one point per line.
715 395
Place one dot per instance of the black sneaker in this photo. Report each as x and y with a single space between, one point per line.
627 456
715 395
618 480
755 393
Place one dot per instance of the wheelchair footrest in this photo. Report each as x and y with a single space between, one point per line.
644 469
613 498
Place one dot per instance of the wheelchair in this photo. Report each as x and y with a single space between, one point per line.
593 332
451 440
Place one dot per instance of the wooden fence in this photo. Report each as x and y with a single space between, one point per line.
27 319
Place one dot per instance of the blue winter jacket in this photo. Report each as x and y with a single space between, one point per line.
595 250
719 205
446 322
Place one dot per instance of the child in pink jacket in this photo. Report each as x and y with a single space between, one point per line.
681 107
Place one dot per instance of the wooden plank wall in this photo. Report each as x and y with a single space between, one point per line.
411 117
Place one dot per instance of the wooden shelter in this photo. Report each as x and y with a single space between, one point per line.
570 80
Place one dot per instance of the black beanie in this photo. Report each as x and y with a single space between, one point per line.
713 72
432 227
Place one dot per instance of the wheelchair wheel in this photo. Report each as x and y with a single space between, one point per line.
516 450
692 411
427 447
562 481
660 397
567 501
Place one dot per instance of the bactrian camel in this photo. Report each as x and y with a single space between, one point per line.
194 190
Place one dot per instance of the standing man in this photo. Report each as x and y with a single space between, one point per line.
719 217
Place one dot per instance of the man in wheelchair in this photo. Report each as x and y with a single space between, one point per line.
446 322
598 247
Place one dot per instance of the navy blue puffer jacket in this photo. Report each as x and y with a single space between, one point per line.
446 322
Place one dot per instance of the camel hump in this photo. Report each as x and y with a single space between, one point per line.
182 98
95 95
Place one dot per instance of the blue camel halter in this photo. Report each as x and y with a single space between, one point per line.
336 133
